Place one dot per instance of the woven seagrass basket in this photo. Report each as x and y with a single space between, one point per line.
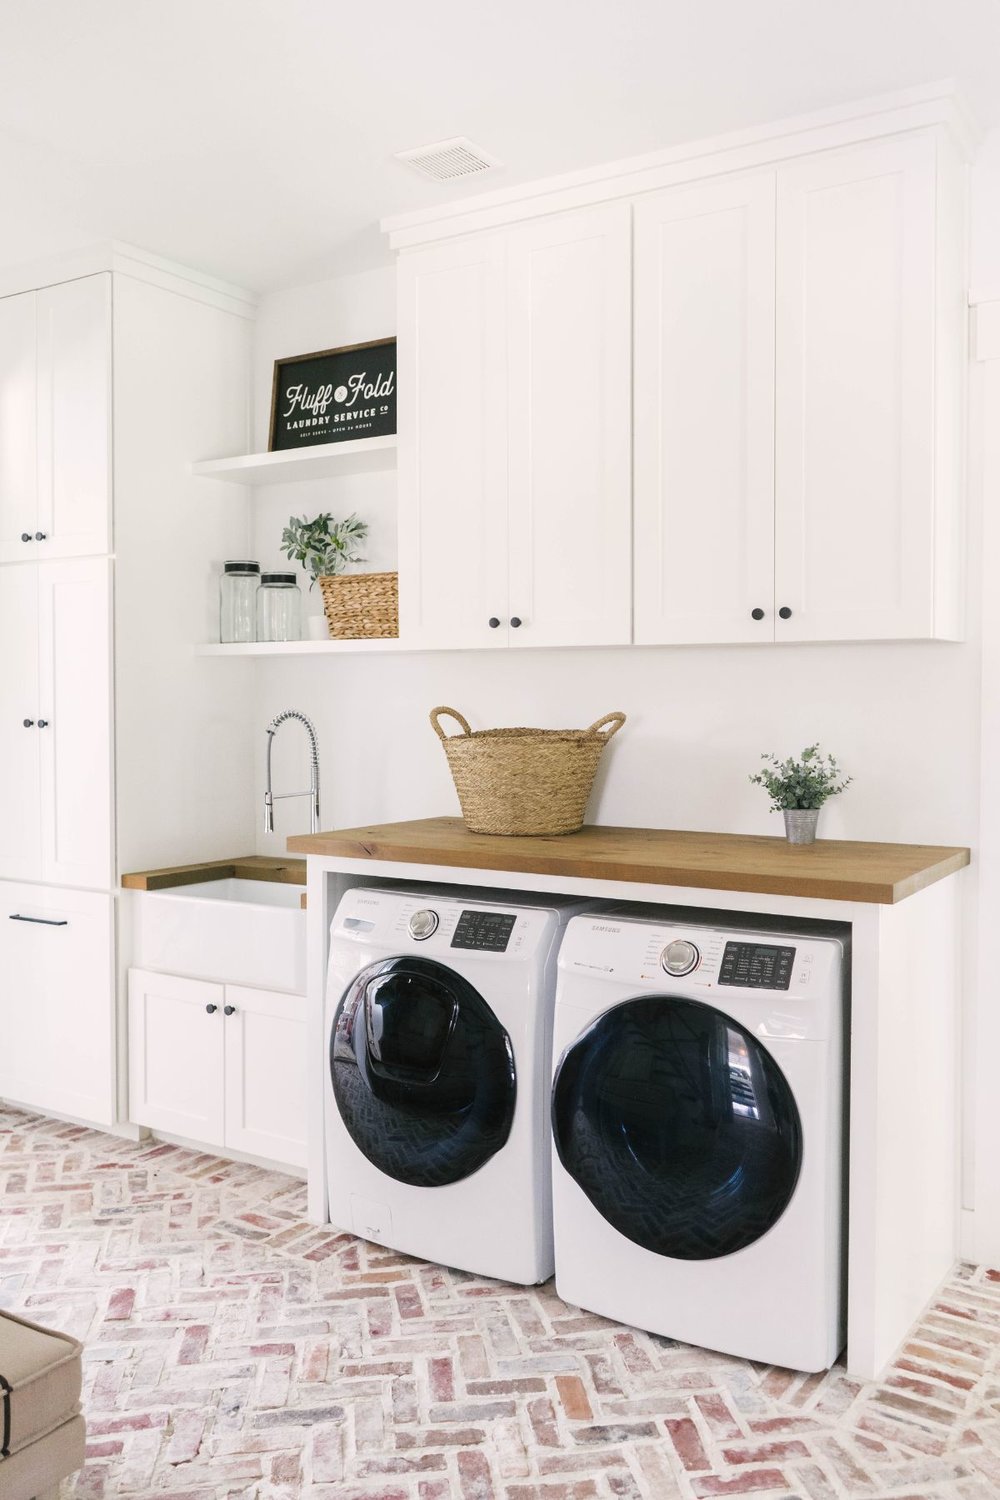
361 605
524 780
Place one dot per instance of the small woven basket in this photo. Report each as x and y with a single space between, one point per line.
361 605
524 780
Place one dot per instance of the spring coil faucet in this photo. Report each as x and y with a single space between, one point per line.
270 798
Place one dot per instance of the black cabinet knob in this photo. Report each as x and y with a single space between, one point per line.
25 536
493 622
784 612
515 623
756 614
40 536
211 1009
229 1010
29 723
43 723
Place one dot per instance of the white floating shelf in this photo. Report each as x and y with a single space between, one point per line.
303 648
323 461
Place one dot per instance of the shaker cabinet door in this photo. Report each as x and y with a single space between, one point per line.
20 750
176 1043
18 449
266 1074
453 445
855 392
569 375
74 418
704 412
74 719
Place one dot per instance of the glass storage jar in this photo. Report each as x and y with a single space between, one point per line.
237 601
279 608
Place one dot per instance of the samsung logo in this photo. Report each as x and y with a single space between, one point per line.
603 927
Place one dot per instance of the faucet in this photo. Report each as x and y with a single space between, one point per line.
270 798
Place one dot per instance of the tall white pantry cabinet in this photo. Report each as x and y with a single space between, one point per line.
113 375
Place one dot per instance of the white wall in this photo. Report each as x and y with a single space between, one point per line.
903 718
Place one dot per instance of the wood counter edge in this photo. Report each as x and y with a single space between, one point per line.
245 867
553 857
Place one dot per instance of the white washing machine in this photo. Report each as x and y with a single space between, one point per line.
439 1013
697 1117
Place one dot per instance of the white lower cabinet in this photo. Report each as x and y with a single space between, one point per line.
223 1065
57 1014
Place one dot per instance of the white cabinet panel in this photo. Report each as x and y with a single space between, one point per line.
176 1040
18 459
855 392
569 427
74 715
57 1003
452 446
266 1074
20 833
704 412
74 417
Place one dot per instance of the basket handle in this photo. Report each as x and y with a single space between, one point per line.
454 714
616 720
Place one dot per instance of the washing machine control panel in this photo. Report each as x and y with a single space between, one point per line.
484 931
383 922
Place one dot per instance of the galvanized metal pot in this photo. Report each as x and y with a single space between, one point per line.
800 824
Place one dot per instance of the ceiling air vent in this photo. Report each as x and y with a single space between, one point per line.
446 160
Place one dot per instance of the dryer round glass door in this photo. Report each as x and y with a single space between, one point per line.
679 1126
423 1072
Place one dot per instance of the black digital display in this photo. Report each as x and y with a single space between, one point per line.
487 931
757 966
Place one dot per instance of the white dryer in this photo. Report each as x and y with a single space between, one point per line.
697 1117
439 1018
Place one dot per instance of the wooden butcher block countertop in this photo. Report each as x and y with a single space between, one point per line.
830 869
246 867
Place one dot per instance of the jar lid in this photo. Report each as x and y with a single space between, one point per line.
241 567
267 579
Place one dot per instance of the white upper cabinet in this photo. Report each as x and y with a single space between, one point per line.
18 446
514 435
855 494
453 445
569 429
55 722
74 417
704 412
55 421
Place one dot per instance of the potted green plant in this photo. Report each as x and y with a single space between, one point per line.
323 546
357 606
798 789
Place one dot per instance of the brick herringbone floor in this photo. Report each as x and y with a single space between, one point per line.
233 1350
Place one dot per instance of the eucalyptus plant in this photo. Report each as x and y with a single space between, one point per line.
323 546
804 783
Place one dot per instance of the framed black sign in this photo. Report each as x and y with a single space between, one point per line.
334 395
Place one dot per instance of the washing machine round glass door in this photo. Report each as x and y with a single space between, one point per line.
679 1126
423 1072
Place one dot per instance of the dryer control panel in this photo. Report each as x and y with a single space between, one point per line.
788 980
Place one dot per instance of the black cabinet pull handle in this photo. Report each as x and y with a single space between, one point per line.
43 723
229 1010
25 536
211 1009
784 612
16 916
756 614
29 723
515 623
40 536
493 622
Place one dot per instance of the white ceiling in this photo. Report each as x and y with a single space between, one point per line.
254 139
